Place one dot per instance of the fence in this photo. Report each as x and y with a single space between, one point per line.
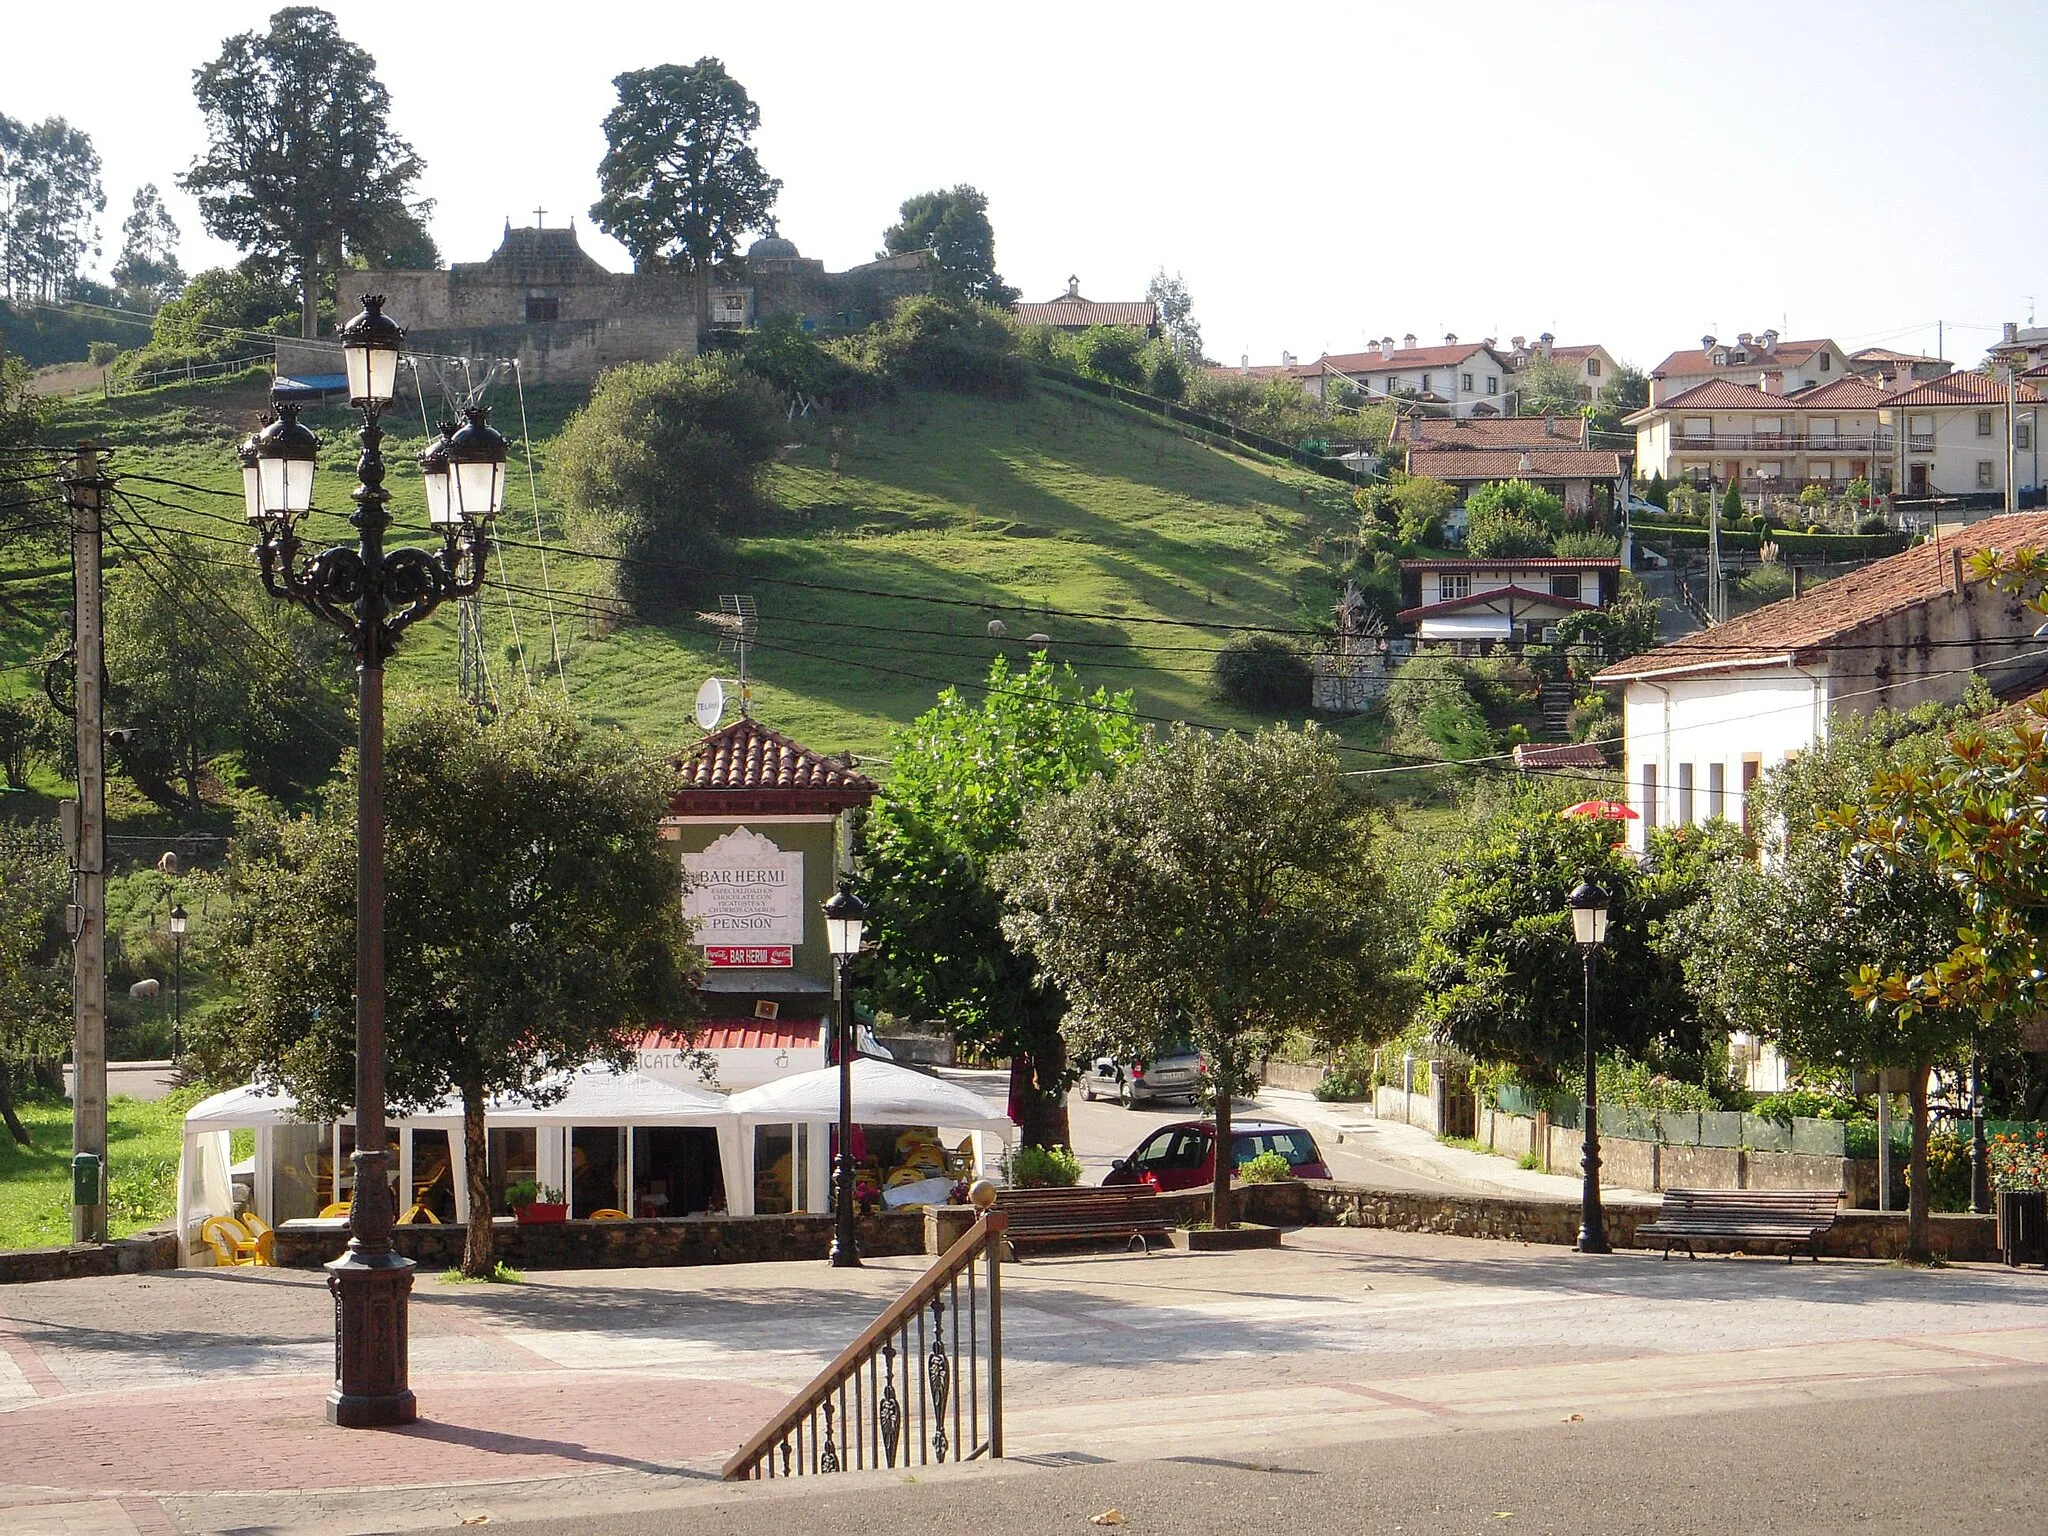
111 385
1706 1128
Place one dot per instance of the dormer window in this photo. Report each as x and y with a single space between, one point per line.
1721 359
1742 357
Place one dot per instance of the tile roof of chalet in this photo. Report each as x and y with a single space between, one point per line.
1516 563
1854 393
1525 597
747 762
1076 311
1558 754
1849 393
1719 395
1401 359
1571 354
1693 360
1457 464
1887 355
1797 627
1532 432
1961 389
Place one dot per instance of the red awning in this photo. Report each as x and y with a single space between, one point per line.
743 1035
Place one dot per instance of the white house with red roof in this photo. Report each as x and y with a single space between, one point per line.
1722 431
1705 716
1462 378
1765 361
1478 603
1950 436
1593 363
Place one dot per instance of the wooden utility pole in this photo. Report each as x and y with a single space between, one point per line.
83 490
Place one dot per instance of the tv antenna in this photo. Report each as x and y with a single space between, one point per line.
737 621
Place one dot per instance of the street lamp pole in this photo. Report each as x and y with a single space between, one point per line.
177 977
372 595
1588 904
845 916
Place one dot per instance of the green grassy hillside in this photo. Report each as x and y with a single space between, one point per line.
1034 513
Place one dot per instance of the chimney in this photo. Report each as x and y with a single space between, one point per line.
1798 582
1706 343
1743 338
1418 419
1408 342
1770 341
1527 466
1381 346
1771 381
1955 566
1450 338
1244 362
1545 341
1515 342
2010 335
1286 358
1073 287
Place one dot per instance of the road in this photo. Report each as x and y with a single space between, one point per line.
1104 1130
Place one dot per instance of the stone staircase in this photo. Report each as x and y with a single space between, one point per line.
1557 712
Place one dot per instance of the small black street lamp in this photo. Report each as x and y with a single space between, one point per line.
845 917
177 977
372 595
1588 905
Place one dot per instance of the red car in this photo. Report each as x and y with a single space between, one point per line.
1183 1156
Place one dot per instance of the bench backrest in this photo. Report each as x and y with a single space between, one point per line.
1789 1203
1077 1194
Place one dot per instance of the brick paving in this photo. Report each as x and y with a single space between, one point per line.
193 1401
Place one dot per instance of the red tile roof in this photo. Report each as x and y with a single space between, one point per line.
1960 389
1571 354
1573 754
1696 361
1506 464
1524 595
1722 395
1531 563
1138 315
1887 355
745 761
1798 626
739 1035
1492 432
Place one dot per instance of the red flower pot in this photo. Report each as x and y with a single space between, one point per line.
538 1214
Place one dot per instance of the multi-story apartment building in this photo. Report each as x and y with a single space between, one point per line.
1768 443
1593 363
1461 378
1764 361
1950 437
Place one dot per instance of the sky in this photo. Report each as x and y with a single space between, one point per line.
1636 174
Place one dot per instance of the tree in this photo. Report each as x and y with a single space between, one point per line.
1264 672
1499 972
200 669
1512 517
1778 948
1176 313
50 194
953 225
1112 352
1419 506
35 961
1221 889
300 157
532 925
664 463
1626 391
147 272
1731 504
212 317
21 408
1546 385
963 777
680 182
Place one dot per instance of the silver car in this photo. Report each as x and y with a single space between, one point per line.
1179 1073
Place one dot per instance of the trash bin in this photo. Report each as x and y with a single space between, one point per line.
85 1179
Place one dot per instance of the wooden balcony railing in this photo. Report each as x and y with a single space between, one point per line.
1783 442
922 1384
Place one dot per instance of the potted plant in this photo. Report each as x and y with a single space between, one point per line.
866 1195
2019 1174
534 1203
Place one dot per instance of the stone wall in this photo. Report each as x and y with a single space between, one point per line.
1287 1074
1628 1163
123 1256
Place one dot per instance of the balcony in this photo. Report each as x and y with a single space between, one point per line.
1919 442
1786 442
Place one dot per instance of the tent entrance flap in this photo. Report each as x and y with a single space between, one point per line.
1487 626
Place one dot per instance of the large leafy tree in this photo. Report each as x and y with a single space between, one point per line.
1545 385
952 223
147 271
1222 888
1626 391
300 160
1176 313
50 196
1508 518
1500 975
35 969
680 182
963 776
532 925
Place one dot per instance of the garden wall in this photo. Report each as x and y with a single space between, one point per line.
123 1256
1629 1162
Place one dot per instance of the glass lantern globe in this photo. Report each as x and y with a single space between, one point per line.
286 453
1588 904
476 468
177 922
845 917
370 345
252 480
439 482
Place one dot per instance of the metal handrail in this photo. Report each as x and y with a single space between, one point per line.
866 1424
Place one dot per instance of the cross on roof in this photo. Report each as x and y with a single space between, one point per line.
538 215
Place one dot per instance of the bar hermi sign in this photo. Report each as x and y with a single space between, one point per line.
746 897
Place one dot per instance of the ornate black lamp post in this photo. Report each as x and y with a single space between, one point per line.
1588 905
845 916
177 976
372 595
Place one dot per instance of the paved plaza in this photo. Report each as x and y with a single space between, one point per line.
191 1401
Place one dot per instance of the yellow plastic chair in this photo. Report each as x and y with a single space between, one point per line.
608 1214
230 1241
338 1208
418 1214
263 1236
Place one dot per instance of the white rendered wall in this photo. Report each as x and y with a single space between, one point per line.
1722 719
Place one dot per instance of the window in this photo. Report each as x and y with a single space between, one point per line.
1752 770
1592 367
1649 797
542 307
1821 469
1492 384
1768 426
1987 475
1565 586
2023 435
1921 426
1770 469
1297 1147
1821 431
1449 588
1424 386
1685 794
1698 429
1717 791
1983 423
1467 383
1825 365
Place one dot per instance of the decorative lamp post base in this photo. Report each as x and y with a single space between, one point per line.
370 1376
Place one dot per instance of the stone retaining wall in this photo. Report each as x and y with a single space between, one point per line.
124 1256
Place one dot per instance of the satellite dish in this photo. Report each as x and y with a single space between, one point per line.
710 703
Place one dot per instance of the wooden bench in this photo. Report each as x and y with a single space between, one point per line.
1791 1216
1129 1212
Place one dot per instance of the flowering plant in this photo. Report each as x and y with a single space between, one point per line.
865 1194
2019 1161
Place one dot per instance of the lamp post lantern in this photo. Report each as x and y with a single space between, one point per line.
1588 904
372 595
845 917
177 977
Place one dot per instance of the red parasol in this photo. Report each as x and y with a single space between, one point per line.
1601 810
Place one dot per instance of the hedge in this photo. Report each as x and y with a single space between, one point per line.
1833 548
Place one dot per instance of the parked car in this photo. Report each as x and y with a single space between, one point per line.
1176 1073
1183 1156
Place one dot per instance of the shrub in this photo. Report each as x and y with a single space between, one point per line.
1512 517
1434 713
1805 1104
795 363
101 353
1948 1170
1044 1168
1264 672
1872 522
1266 1168
936 343
1341 1082
1767 583
1112 352
1586 544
